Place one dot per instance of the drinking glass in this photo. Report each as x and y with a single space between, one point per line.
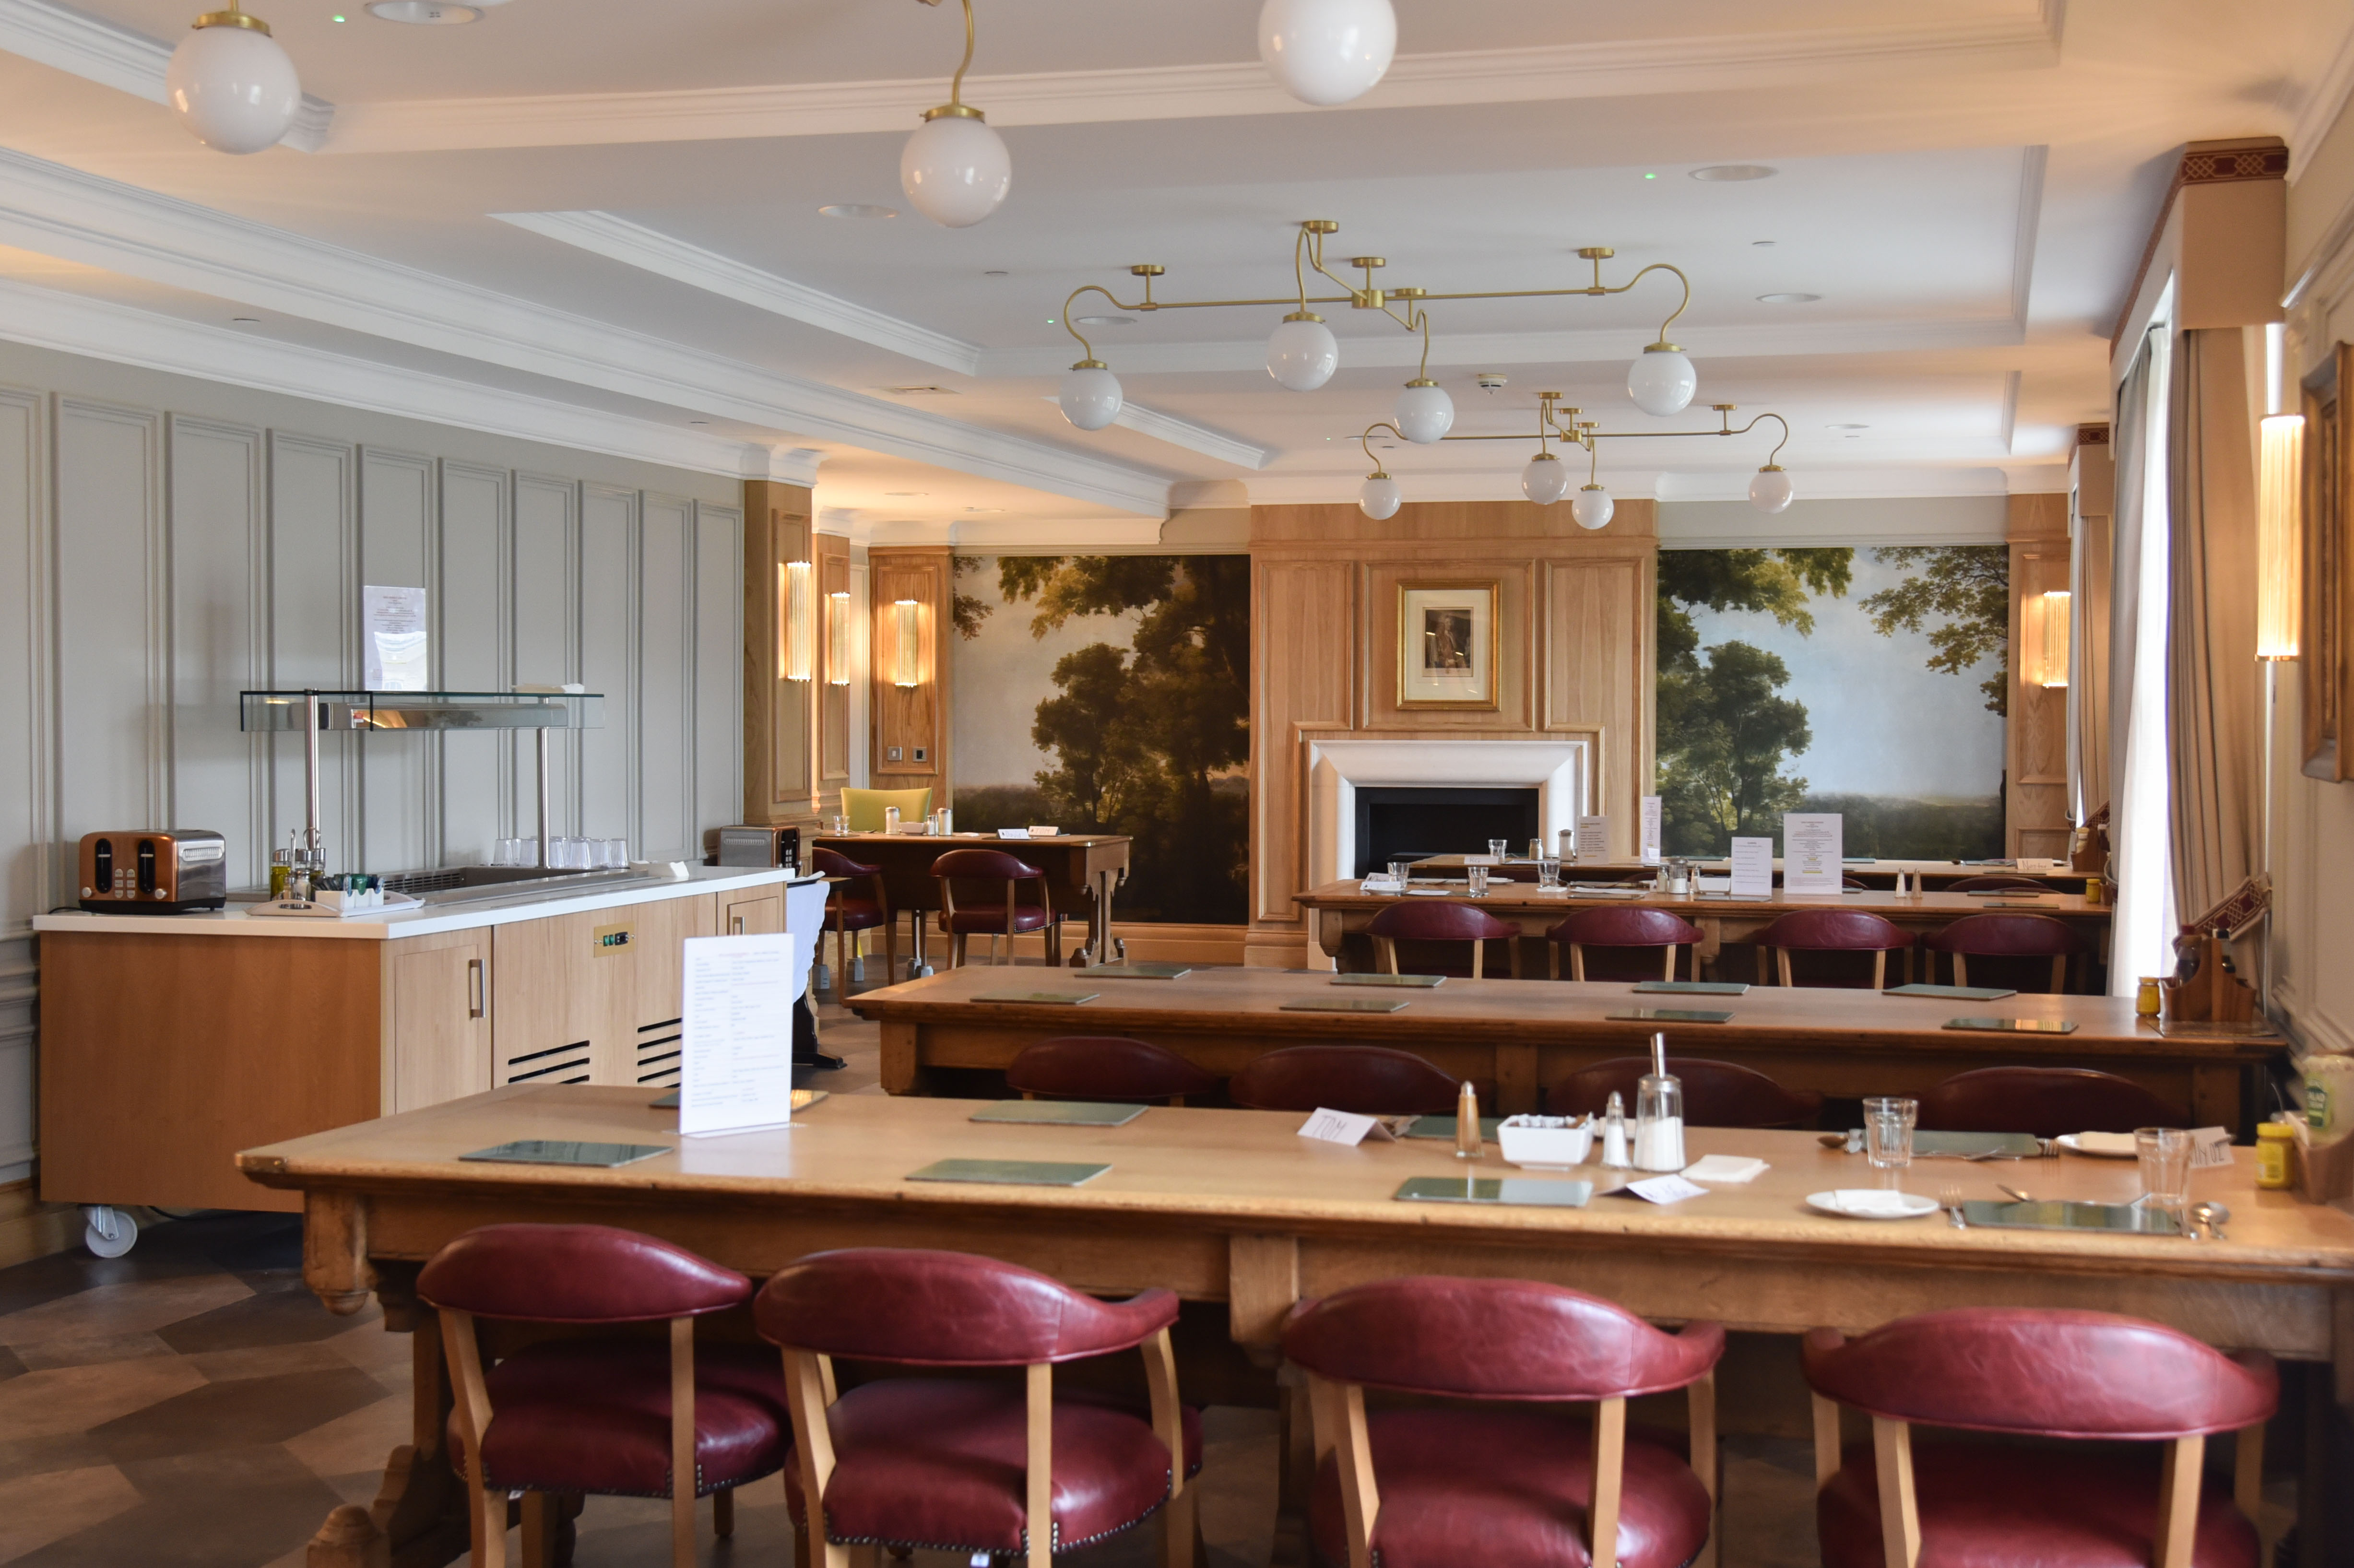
841 825
1477 876
506 851
617 853
2165 1155
1497 846
1888 1132
890 818
1548 871
1398 870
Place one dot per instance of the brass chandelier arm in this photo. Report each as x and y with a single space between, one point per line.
1075 332
1366 441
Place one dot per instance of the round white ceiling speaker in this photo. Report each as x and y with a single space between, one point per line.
424 13
232 84
1770 489
1090 394
1661 380
1327 51
1544 480
1593 507
1380 498
955 168
1302 353
1425 412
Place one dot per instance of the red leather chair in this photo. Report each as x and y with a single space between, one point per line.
957 1465
1997 884
2002 936
1106 1067
2047 1375
1716 1094
1519 1481
992 882
2045 1102
1442 920
1365 1080
1620 928
847 911
1832 931
614 1416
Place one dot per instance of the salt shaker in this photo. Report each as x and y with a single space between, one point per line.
1614 1134
1467 1122
1660 1115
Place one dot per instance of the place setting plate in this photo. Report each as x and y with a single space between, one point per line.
1872 1203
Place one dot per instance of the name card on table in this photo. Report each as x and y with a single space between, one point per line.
1651 832
1753 868
1346 1128
1668 1189
1013 832
736 1038
2209 1147
1810 852
1594 838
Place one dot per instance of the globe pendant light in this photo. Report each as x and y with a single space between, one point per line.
1302 353
1327 51
232 84
1090 394
1379 499
955 169
1662 380
1425 412
1770 489
1544 480
1593 507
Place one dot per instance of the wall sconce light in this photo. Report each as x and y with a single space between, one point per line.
907 660
2280 515
2044 638
837 640
796 621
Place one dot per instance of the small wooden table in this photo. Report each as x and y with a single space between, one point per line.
1520 1035
1876 874
1089 865
1234 1207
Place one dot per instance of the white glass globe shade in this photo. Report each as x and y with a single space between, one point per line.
1327 51
1593 507
1770 490
1380 497
1662 381
1544 480
1090 396
234 89
956 170
1302 355
1425 412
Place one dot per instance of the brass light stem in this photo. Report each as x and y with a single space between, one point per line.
1366 441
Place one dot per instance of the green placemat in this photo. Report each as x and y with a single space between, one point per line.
1136 971
1952 993
2130 1219
549 1151
1041 998
1693 988
1443 1128
1518 1191
1345 1004
2012 1145
2014 1025
1399 982
1060 1113
1668 1015
1009 1172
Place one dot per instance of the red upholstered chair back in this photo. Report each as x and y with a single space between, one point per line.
1106 1067
2044 1102
1439 920
1624 927
834 863
2000 934
994 864
1494 1338
1365 1080
1716 1094
946 1310
2052 1373
1833 930
575 1274
1996 885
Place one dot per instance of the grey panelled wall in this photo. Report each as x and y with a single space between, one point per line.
156 562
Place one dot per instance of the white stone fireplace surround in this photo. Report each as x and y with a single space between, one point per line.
1561 771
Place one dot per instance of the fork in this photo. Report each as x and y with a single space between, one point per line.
1950 1196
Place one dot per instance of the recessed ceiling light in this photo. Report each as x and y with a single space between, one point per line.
424 13
984 509
698 421
245 320
924 391
1787 299
1847 427
997 272
1761 244
903 494
1733 173
1103 321
856 209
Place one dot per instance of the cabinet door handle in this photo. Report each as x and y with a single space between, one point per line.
476 1002
736 925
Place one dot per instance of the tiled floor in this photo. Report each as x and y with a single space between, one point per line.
191 1405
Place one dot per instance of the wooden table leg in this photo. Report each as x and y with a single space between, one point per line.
1262 1287
419 1517
903 1072
1102 946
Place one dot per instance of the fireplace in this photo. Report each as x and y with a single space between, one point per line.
1558 772
1395 823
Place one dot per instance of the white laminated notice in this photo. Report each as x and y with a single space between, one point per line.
1651 830
1594 838
1753 868
735 1045
396 653
1811 851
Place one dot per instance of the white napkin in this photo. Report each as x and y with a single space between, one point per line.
1726 1168
1874 1201
2106 1142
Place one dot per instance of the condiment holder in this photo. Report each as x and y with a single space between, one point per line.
1546 1142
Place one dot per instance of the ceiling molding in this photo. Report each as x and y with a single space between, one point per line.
1194 438
2032 164
650 250
1861 482
783 465
2027 39
2330 93
1010 536
102 329
57 211
121 58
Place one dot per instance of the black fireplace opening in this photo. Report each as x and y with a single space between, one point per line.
1413 824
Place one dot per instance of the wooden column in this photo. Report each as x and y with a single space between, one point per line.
910 723
779 715
2035 808
833 736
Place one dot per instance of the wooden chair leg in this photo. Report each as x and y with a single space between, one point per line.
1478 961
2177 1504
1609 1483
682 1471
1961 969
543 1515
1764 966
1038 1467
1576 961
1669 974
1702 1398
1899 1507
1553 960
1879 969
1512 950
723 1512
2058 973
1782 964
1827 1447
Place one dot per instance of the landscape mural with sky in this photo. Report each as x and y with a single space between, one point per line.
1870 681
1111 694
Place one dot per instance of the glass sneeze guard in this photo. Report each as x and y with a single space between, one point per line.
348 710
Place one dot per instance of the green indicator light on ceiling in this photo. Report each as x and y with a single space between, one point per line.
1651 176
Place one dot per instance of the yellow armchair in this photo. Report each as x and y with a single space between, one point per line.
865 808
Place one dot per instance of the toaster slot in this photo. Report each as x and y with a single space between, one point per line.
147 867
102 857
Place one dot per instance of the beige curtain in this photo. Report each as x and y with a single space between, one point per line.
2088 691
2214 685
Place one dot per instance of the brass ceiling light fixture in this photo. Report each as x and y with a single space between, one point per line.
231 84
955 169
1302 354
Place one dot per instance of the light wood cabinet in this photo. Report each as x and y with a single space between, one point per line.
437 1018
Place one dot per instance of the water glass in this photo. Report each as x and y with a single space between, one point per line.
508 852
617 853
1548 871
1398 870
1477 876
841 825
1497 846
1888 1132
890 818
2164 1156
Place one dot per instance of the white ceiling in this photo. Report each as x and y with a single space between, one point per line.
595 221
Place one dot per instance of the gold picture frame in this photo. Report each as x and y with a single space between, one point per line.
2324 660
1449 646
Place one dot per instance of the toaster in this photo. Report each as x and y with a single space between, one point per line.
168 871
762 846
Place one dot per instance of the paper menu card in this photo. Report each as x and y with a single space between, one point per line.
1811 851
1651 831
1346 1128
735 1045
1753 868
395 654
1594 838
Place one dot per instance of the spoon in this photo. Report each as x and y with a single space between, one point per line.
2214 1216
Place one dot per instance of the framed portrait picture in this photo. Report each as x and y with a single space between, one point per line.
1446 645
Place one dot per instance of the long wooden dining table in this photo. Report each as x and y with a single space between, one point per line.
1235 1208
1523 1035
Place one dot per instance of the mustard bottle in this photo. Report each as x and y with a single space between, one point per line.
2146 1000
2272 1141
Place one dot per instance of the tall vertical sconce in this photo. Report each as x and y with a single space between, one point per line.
796 621
908 658
2055 639
2280 511
837 640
